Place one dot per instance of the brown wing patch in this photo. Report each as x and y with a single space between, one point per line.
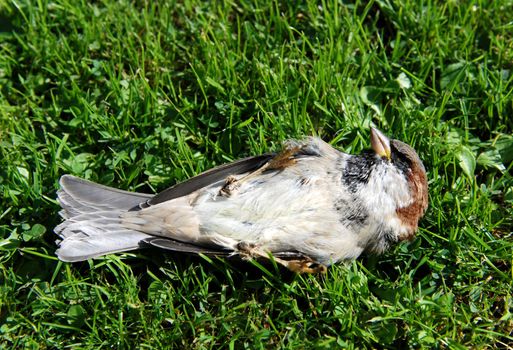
284 159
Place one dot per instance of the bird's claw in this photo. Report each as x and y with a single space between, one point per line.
230 185
280 161
304 264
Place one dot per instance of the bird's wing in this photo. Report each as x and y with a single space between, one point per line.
209 177
295 149
182 247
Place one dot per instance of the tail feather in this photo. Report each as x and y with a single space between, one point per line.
87 244
92 226
87 192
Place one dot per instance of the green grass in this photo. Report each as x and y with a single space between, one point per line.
141 95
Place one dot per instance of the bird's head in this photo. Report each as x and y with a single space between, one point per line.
404 160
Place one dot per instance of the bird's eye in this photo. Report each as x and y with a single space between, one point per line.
400 161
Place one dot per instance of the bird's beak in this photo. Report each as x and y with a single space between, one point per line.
380 143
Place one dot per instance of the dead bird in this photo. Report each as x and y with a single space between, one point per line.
306 207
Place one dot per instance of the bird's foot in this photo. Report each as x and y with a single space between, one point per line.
305 265
248 251
230 185
282 160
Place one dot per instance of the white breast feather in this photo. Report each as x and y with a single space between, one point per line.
386 191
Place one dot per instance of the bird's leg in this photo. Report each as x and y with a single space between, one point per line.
248 251
230 184
280 161
305 265
302 264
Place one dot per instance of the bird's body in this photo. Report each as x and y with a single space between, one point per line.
308 205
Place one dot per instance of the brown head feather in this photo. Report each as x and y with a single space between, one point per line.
417 180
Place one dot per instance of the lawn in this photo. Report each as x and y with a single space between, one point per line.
141 95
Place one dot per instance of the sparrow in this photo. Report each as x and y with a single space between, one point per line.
305 207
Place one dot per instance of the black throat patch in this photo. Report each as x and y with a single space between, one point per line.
357 170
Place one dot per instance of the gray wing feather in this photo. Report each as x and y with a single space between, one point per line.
211 176
181 247
177 246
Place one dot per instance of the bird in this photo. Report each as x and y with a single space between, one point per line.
306 207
